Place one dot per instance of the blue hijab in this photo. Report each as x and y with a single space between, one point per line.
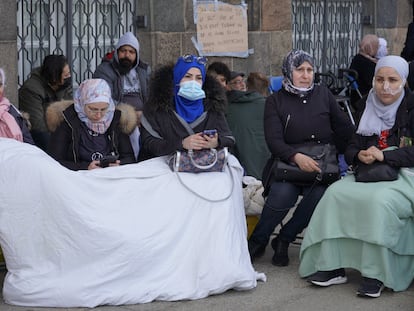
187 109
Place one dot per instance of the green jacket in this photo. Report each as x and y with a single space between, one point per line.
35 95
245 117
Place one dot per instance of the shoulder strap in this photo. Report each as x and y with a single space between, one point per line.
148 127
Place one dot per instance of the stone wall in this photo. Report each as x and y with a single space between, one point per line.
170 28
8 47
169 33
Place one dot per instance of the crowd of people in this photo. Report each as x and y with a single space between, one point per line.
127 114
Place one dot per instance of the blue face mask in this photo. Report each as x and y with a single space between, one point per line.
191 90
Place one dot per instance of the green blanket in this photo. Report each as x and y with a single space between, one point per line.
364 226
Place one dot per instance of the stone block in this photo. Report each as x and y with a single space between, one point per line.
8 20
167 47
168 15
281 44
387 15
276 15
8 61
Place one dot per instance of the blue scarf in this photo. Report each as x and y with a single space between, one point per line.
187 109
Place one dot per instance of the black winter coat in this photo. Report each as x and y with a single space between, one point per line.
404 126
291 121
163 130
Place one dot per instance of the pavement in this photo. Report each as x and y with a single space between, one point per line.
283 291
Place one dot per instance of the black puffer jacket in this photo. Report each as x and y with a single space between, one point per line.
162 130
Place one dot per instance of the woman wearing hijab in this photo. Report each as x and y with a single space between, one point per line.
369 226
86 131
183 103
12 123
364 64
301 113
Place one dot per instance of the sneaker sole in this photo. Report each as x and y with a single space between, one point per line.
334 281
375 295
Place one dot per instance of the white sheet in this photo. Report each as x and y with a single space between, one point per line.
124 235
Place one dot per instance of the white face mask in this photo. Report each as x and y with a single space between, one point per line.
191 90
388 90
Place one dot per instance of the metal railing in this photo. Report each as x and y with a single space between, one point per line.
329 30
82 30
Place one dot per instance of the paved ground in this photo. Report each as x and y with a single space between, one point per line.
283 291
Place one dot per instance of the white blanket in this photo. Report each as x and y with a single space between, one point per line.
121 235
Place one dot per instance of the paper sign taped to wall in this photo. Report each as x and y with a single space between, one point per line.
222 29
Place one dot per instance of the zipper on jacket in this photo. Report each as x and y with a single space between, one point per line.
286 124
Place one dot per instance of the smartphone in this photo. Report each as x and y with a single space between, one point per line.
210 133
106 160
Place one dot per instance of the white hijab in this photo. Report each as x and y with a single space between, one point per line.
377 116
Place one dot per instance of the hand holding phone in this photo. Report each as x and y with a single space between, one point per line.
108 159
210 133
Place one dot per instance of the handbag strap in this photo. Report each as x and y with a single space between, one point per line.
204 197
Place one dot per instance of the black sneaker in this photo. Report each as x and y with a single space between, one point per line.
370 288
328 278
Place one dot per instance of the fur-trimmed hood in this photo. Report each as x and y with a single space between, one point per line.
54 116
162 95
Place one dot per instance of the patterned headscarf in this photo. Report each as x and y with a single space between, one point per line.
369 45
187 109
94 91
294 59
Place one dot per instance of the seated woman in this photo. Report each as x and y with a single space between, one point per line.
85 132
369 226
12 123
133 233
179 110
300 114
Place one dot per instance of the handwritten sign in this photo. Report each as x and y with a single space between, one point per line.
222 29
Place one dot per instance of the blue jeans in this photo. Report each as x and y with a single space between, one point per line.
282 197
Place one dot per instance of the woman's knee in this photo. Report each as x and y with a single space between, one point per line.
282 196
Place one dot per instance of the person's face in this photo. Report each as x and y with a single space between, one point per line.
221 79
193 74
96 111
238 84
302 76
65 74
388 85
127 52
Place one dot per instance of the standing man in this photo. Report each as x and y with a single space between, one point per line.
128 78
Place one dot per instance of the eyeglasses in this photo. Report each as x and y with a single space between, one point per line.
237 82
96 111
188 58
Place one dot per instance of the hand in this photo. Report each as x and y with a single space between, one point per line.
116 163
306 163
370 155
376 153
212 141
195 142
94 164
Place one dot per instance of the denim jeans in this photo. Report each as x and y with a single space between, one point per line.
282 197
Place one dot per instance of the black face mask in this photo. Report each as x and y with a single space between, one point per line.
125 65
66 83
